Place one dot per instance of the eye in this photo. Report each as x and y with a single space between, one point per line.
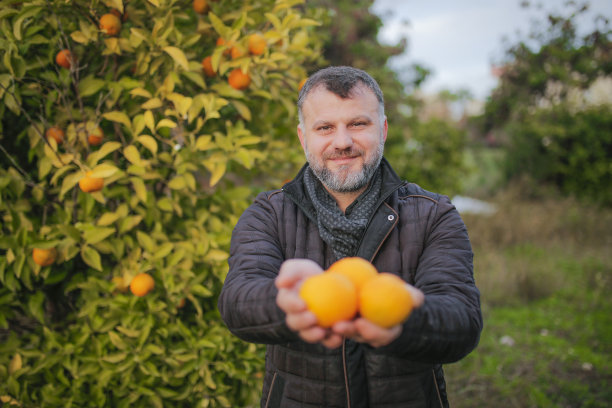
324 128
359 124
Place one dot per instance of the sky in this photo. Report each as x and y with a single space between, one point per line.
459 40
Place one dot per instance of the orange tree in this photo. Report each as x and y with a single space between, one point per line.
124 154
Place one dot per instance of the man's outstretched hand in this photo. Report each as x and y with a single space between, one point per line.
291 275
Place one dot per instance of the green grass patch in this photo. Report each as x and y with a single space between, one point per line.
544 269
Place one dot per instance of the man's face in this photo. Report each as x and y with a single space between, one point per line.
343 138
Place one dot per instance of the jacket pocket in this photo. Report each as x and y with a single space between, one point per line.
275 394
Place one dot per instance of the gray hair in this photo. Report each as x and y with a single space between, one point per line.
341 81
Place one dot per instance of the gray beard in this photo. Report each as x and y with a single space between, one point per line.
351 182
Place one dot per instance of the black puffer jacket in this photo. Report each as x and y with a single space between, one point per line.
413 233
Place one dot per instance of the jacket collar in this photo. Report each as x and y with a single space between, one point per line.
296 192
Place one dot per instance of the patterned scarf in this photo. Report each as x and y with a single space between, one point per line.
342 231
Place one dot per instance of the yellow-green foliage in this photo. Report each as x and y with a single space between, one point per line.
182 155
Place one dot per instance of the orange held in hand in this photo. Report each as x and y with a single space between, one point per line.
44 257
385 300
358 270
91 184
330 297
142 284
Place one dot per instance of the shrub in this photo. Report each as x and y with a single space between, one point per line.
181 155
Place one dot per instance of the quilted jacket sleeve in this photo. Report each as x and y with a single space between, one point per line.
248 299
448 325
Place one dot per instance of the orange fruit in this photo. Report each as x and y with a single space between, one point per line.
238 79
55 133
44 257
330 297
207 67
119 284
95 138
64 59
301 84
221 42
91 184
142 284
181 303
358 270
385 300
110 24
257 44
200 6
236 52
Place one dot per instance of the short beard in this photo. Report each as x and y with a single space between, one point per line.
351 182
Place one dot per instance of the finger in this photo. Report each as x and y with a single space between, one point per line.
313 335
332 341
301 321
418 298
375 335
289 301
345 328
293 271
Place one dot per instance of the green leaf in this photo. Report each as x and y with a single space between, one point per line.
131 153
93 235
178 56
35 306
91 257
153 103
104 170
217 173
90 85
242 109
148 142
145 241
107 219
106 149
129 222
139 188
114 358
117 340
69 182
119 117
218 25
177 183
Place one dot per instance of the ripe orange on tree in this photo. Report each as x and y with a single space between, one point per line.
221 42
64 59
385 300
110 24
200 6
236 52
238 79
95 138
142 284
358 270
257 44
330 297
44 257
207 67
91 184
55 133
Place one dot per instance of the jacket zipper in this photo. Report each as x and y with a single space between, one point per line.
270 390
437 388
346 384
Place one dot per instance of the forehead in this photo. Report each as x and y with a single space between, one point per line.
320 101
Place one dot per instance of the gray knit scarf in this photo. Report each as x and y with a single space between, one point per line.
342 231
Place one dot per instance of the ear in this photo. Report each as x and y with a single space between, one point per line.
385 129
301 136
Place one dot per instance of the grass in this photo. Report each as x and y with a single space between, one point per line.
544 268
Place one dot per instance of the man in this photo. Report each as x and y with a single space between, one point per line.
347 201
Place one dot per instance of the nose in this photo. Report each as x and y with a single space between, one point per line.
342 139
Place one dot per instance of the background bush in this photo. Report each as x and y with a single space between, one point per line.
182 155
